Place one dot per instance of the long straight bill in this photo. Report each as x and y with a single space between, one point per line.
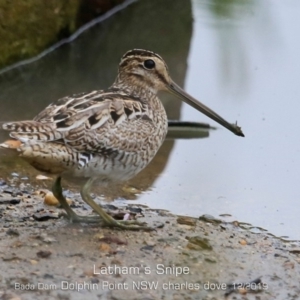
179 92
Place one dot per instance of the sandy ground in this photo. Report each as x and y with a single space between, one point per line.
43 256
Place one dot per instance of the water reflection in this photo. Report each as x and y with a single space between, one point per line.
228 19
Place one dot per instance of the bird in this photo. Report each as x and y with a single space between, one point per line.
106 135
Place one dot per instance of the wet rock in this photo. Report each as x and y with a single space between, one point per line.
45 216
11 257
210 259
198 243
10 201
12 232
43 253
14 201
186 221
109 206
295 251
9 190
209 219
136 210
147 248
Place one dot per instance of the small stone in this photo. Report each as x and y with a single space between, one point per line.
186 221
243 291
198 243
14 201
136 210
147 248
243 242
33 261
104 247
210 259
45 216
130 189
13 232
289 265
209 219
50 199
44 253
42 177
150 243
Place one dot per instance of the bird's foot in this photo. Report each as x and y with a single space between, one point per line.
74 218
127 225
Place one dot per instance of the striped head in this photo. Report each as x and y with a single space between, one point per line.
144 69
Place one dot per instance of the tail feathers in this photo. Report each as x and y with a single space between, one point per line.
32 130
27 126
37 136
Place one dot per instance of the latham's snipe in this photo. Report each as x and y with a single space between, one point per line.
108 135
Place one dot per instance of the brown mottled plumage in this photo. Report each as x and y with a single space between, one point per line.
111 135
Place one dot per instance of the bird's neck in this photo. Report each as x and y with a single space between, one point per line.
134 86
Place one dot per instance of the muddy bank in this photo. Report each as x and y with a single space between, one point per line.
43 256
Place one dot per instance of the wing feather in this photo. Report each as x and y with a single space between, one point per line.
89 122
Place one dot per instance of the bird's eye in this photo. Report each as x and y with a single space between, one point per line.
149 64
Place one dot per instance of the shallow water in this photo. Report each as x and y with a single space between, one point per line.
240 60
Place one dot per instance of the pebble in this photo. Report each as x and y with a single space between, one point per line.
243 242
45 216
13 232
10 201
33 261
42 177
209 219
104 247
51 200
198 243
43 253
186 221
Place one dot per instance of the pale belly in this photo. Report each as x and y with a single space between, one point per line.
120 168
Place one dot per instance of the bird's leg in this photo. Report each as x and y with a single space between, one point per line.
72 216
107 219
